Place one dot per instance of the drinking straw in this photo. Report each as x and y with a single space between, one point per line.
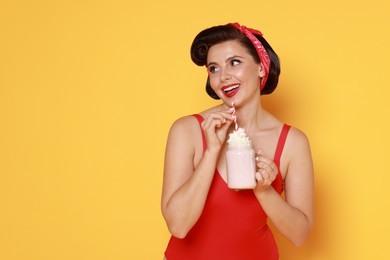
234 117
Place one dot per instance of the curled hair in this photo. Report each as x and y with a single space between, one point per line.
222 33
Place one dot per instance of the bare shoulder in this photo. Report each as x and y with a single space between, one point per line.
297 152
297 148
296 137
183 138
183 126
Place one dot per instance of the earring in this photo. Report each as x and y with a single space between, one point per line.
261 72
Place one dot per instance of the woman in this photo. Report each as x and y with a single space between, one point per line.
208 220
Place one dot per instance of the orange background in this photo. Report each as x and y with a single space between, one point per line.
89 89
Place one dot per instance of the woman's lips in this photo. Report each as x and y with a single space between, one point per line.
230 90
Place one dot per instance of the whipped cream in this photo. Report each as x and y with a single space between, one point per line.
238 138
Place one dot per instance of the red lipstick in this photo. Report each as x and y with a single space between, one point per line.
230 90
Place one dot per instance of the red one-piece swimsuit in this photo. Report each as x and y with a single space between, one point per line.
233 225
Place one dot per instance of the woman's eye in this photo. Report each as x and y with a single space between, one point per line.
235 62
213 69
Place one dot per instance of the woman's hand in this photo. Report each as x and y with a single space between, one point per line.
266 171
215 127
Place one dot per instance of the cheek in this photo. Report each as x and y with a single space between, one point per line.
250 75
214 82
238 74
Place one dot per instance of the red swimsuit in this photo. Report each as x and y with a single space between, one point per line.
233 225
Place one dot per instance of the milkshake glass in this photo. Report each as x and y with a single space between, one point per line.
240 161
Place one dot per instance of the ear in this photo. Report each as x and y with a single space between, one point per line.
261 71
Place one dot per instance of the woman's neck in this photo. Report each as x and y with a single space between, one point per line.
251 118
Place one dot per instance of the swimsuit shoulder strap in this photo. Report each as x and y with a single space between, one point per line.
281 142
200 120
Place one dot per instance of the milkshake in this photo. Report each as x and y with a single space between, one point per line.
240 161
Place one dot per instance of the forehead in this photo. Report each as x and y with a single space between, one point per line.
225 50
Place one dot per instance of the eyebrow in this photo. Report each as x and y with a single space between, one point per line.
227 60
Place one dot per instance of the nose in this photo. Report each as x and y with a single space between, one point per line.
225 75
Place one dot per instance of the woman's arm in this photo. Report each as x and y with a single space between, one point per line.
294 216
186 186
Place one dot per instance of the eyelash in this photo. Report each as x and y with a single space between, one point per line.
212 69
233 61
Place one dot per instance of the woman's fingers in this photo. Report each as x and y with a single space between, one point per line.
259 178
213 122
267 170
217 120
215 127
